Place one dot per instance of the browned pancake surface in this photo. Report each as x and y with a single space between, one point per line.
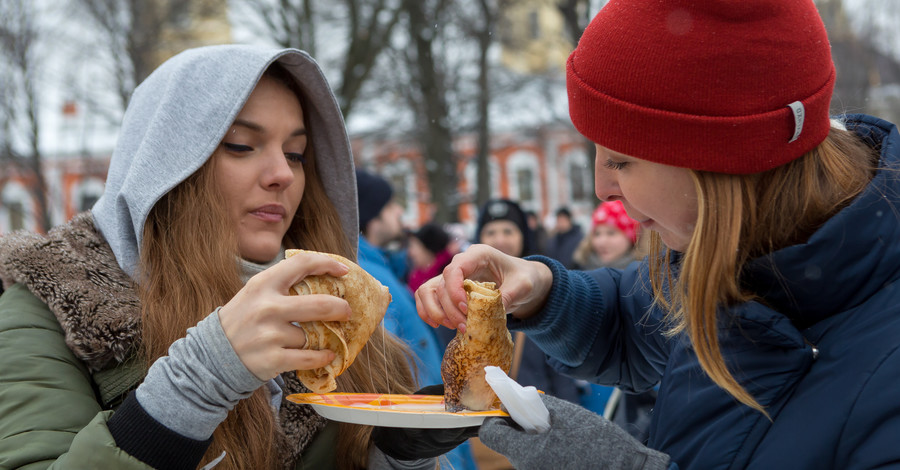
486 342
368 300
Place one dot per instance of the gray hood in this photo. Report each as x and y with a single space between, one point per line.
179 115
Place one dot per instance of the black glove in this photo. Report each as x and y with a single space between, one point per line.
415 443
578 438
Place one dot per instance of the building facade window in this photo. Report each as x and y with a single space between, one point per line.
402 178
15 204
523 171
534 25
87 193
471 175
16 214
580 177
525 182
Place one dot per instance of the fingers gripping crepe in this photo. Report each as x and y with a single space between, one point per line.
368 300
486 342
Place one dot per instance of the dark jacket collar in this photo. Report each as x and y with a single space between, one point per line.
851 256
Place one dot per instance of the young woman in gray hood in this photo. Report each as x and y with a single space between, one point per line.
227 156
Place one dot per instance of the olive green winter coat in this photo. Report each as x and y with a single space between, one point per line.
69 328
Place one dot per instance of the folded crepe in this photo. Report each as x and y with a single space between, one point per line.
486 342
368 300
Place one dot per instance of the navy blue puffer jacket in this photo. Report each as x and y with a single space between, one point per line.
822 353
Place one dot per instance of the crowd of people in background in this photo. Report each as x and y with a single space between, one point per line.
421 253
381 229
158 329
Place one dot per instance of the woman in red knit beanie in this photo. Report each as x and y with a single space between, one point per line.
768 309
611 241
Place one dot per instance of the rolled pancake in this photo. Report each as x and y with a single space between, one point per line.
486 342
368 300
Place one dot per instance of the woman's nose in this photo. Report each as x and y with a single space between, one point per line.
279 173
606 185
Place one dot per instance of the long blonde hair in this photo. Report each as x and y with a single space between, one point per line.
188 268
742 217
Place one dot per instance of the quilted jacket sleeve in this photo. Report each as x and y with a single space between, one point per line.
49 413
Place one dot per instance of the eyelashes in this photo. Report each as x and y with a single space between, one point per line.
614 165
237 148
293 157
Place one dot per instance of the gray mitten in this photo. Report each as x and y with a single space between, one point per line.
578 438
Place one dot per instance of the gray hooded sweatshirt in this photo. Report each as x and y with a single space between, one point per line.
176 119
179 115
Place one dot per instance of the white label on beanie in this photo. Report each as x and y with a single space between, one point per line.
799 114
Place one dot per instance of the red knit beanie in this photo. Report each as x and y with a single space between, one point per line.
729 86
613 213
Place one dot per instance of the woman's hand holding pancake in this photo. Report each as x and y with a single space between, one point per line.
524 286
258 319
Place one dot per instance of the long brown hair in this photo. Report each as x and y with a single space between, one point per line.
188 268
742 217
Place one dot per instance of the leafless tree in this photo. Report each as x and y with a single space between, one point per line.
576 15
135 32
483 28
19 117
865 46
429 98
365 25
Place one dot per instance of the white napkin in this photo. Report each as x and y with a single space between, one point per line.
523 404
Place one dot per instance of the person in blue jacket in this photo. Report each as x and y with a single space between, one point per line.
768 310
380 222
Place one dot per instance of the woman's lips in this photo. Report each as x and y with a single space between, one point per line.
270 213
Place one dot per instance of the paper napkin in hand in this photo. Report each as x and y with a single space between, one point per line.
523 404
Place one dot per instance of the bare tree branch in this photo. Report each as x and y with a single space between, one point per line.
19 34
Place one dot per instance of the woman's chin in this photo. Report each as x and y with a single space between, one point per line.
260 254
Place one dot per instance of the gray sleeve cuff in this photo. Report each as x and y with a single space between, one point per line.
379 461
191 390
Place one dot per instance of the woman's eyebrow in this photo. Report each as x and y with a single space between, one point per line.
249 125
257 128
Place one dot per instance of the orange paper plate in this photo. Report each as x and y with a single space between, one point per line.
389 410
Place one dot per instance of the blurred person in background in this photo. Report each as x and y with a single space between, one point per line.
381 225
611 241
459 239
429 252
540 233
566 237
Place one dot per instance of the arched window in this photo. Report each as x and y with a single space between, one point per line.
402 178
16 209
523 172
471 174
86 194
581 178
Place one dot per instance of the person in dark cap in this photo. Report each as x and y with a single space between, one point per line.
380 223
503 225
566 237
